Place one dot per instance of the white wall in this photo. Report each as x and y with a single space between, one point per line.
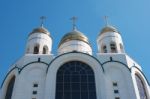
116 72
36 73
33 73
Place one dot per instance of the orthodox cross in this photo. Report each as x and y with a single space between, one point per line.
106 20
74 19
42 18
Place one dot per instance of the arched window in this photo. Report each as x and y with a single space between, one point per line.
121 47
36 49
27 50
113 48
10 88
104 49
45 50
141 87
75 80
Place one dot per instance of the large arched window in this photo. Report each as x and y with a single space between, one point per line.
141 87
75 80
10 88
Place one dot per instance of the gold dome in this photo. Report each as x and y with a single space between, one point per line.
108 29
40 30
74 35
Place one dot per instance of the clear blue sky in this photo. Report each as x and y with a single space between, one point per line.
19 17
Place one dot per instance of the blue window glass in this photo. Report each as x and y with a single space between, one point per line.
75 80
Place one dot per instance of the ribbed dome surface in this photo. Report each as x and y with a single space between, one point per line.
74 35
108 29
40 30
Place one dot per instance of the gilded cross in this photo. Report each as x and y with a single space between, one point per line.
74 19
106 20
42 18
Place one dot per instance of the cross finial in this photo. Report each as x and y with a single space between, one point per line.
74 19
106 20
42 18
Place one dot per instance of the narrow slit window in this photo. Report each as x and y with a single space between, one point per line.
35 85
113 48
34 92
121 47
45 50
117 97
104 49
116 91
36 49
115 84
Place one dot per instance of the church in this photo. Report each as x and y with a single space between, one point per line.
75 72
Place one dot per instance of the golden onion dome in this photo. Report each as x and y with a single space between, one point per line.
74 35
40 30
108 29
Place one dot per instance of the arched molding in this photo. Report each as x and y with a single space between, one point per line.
118 62
4 87
13 71
29 64
74 56
30 73
18 70
77 53
136 71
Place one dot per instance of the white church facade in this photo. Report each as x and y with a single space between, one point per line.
75 73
